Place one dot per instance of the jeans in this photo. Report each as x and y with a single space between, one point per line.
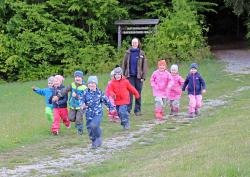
93 127
123 114
137 83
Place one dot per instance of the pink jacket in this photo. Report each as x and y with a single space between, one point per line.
174 87
159 82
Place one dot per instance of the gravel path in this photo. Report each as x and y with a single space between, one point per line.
238 60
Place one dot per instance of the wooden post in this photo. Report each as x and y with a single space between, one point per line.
119 37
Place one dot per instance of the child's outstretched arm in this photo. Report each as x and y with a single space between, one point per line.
106 101
39 91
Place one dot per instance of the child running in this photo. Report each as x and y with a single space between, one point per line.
159 82
76 89
174 90
59 104
92 101
47 92
196 86
113 117
120 89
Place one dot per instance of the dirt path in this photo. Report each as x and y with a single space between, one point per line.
79 157
238 60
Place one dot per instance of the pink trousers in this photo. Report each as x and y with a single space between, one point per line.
195 103
60 113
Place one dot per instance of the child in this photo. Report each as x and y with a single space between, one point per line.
112 117
196 86
159 82
92 101
119 89
47 92
174 90
76 89
60 105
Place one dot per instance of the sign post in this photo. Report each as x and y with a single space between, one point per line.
140 26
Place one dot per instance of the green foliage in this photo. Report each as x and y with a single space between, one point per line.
43 37
40 39
178 36
146 9
239 6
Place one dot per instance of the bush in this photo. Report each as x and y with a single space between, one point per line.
178 36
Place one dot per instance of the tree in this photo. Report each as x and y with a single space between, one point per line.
239 6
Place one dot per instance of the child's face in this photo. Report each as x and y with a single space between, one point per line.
57 82
174 72
162 68
193 70
117 76
78 80
50 84
92 86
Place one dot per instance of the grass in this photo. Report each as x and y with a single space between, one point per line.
217 144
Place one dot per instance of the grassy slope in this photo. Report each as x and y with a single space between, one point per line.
217 144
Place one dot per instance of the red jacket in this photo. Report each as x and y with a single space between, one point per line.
119 89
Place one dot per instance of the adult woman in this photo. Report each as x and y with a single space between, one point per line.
135 68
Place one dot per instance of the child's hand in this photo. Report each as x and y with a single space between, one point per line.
84 106
74 94
113 112
114 97
203 91
55 98
33 88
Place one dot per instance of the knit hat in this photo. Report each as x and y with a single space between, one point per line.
162 62
112 73
118 70
51 79
78 73
174 67
93 79
194 65
59 77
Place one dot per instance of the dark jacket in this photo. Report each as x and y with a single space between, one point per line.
94 101
195 84
142 65
62 102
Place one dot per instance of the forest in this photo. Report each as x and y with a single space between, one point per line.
39 38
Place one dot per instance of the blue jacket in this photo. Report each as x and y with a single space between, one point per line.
62 102
195 84
47 92
94 100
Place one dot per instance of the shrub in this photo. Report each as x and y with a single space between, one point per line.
178 35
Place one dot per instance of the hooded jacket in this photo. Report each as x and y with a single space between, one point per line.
174 87
195 84
159 82
120 91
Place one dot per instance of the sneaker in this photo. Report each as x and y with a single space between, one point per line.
138 113
98 142
55 133
126 126
197 112
69 126
191 115
79 132
93 145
